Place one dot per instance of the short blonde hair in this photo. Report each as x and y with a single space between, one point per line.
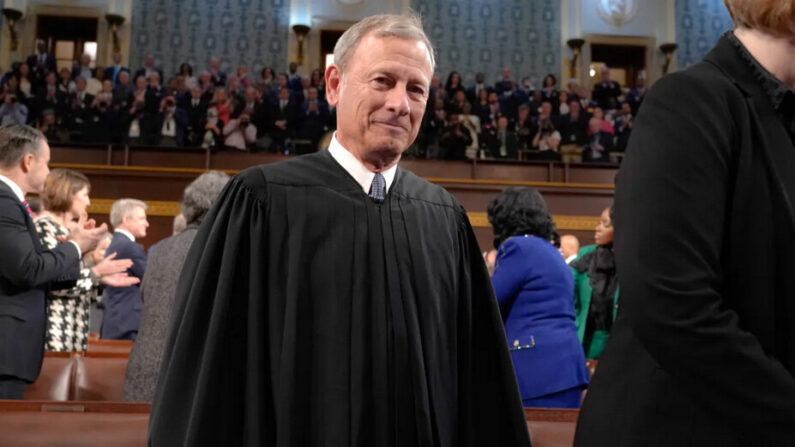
776 17
123 207
382 25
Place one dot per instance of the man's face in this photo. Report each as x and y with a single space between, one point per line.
281 80
81 84
574 107
502 123
493 98
595 125
38 169
382 95
117 58
479 78
85 60
605 74
51 78
546 109
293 67
215 64
42 47
154 79
311 94
150 61
251 94
124 78
140 82
136 222
506 73
196 93
625 107
523 113
305 82
284 93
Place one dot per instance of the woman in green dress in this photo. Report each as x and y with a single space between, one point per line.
596 288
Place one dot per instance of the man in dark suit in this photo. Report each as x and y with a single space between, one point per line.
196 113
79 110
123 305
27 271
600 143
607 91
283 117
40 63
148 68
473 93
702 351
313 118
116 69
502 142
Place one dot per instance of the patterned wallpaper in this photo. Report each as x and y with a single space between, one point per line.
699 24
237 32
486 35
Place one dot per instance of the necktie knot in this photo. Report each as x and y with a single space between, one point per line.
378 188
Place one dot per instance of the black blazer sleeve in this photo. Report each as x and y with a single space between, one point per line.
673 199
21 263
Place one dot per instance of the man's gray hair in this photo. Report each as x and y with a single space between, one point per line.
122 208
383 25
200 195
18 140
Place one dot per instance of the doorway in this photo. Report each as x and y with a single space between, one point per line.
68 38
626 62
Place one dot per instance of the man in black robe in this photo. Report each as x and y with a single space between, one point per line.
335 299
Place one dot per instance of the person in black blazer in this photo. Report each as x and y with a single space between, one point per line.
123 305
282 118
702 351
195 109
600 143
116 69
27 270
41 63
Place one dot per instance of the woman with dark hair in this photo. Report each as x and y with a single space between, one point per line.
186 71
596 288
534 289
549 91
158 288
453 85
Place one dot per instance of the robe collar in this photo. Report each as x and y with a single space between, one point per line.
362 175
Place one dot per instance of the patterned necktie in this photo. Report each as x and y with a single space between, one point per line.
27 208
378 188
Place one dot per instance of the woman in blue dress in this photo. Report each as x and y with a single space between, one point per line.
535 290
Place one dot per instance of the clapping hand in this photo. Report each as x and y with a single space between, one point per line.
119 280
110 266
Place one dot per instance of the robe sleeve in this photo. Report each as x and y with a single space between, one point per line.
489 403
214 386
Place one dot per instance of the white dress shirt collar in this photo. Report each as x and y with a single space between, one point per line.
126 233
356 169
14 187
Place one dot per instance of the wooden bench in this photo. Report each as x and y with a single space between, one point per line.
73 424
89 376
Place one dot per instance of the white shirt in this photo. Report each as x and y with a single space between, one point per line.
356 169
126 233
571 258
21 196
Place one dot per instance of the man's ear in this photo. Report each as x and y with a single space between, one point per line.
27 162
333 84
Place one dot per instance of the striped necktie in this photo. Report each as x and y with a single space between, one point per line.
378 188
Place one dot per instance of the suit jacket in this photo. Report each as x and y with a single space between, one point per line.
123 305
39 71
27 272
110 73
158 290
703 348
142 72
493 144
534 288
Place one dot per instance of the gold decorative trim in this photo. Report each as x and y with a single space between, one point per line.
154 207
562 222
476 219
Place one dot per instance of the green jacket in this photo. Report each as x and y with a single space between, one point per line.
582 304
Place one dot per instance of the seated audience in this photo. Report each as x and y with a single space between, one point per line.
159 287
12 111
534 288
64 198
596 288
123 305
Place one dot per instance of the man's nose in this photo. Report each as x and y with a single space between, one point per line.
398 100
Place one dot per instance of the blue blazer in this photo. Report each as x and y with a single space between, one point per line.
535 290
123 305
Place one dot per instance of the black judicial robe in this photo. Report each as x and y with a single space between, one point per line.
307 315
